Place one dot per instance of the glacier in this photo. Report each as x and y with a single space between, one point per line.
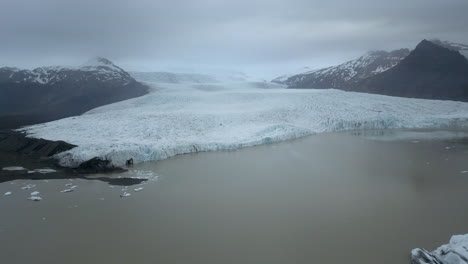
191 117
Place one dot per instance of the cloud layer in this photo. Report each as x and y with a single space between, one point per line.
255 33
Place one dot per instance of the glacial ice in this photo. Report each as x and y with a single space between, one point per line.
455 252
182 118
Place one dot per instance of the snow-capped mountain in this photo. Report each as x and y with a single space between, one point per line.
98 68
48 93
370 64
430 71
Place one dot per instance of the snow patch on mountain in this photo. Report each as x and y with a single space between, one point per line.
372 63
182 118
100 68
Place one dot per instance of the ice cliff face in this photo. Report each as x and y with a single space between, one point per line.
372 63
455 252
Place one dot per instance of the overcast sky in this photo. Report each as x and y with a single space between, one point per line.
266 36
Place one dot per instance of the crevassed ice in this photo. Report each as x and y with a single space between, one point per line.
177 119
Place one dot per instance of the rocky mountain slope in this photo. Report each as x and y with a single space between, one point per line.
340 76
430 71
49 93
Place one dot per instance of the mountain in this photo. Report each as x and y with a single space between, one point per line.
430 71
341 76
49 93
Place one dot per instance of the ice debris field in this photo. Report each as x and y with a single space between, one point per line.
182 118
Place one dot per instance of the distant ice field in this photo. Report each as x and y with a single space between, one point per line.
182 118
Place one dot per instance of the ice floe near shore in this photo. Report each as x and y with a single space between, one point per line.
14 168
455 252
182 118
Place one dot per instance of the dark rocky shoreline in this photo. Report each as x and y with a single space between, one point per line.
16 149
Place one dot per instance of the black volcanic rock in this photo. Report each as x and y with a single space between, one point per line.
430 71
342 75
49 93
18 143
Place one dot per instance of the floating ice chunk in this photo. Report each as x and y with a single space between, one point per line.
35 198
455 252
138 189
69 184
42 171
66 190
125 194
27 187
7 193
34 193
464 171
14 168
73 187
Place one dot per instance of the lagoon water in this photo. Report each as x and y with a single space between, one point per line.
352 197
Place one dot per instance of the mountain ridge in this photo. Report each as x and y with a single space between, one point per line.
430 71
53 92
373 62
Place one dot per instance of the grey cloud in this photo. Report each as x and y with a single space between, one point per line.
242 32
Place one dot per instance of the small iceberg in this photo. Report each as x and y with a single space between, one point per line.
7 193
455 252
125 194
138 189
67 190
14 168
42 171
34 193
29 186
464 171
35 198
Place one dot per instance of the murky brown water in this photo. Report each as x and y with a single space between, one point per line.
331 198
